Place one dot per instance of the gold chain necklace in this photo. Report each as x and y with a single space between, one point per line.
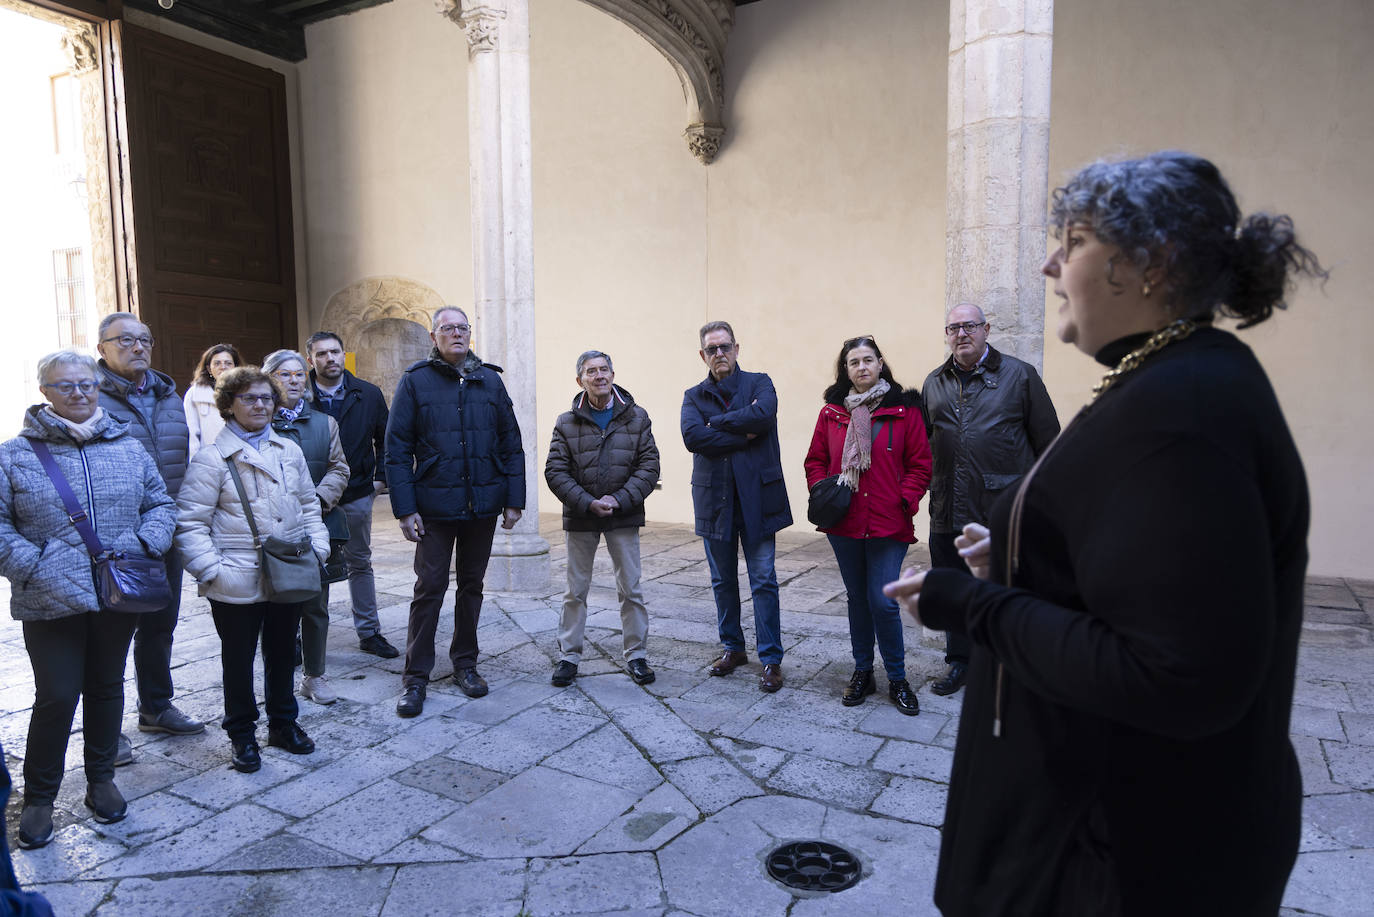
1174 331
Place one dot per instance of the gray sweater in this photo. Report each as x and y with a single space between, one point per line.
118 485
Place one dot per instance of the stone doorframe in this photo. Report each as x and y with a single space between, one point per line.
691 34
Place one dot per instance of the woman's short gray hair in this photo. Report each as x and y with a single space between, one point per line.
274 360
75 357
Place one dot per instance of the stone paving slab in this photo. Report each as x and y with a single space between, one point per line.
606 796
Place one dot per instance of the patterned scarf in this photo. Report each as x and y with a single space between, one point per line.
858 440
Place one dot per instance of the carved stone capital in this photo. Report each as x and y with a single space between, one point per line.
691 34
83 54
704 141
481 23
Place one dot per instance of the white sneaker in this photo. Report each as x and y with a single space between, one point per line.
316 688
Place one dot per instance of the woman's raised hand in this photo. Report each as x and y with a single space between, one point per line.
975 547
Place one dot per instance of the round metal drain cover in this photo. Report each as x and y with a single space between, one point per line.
814 866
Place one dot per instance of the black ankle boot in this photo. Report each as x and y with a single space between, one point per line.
860 685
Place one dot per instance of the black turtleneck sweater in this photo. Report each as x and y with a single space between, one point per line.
1146 657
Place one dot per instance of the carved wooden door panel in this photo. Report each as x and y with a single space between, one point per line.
211 199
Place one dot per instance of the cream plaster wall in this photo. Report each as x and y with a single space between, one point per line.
384 136
823 217
1277 94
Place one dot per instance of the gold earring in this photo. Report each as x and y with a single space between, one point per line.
1145 289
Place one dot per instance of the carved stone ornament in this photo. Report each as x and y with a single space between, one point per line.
704 141
691 34
83 55
481 23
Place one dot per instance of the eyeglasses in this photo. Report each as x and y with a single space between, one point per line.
285 376
963 327
65 389
127 341
861 339
712 349
456 328
248 399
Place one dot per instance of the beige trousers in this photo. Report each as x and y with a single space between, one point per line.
623 546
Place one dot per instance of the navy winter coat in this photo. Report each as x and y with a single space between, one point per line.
453 449
361 413
726 462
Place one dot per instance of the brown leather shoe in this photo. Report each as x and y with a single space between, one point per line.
771 679
728 662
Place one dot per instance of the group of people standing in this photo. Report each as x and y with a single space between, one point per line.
179 480
1123 599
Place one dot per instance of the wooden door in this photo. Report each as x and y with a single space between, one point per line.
210 193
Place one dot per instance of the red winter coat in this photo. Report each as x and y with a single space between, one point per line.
889 491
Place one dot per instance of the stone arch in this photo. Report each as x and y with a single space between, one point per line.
385 322
691 34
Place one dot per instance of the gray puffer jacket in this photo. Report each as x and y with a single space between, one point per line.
165 434
213 537
586 463
118 486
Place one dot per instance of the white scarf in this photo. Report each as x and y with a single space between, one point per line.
80 432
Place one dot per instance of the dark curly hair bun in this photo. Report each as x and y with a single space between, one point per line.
1174 211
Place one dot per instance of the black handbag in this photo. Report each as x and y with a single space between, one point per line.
828 502
123 582
334 569
290 571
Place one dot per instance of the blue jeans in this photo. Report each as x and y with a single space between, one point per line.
866 565
723 559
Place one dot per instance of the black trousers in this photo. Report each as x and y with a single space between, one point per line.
943 553
239 627
432 556
77 657
153 645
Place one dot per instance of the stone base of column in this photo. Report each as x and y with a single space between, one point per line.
519 563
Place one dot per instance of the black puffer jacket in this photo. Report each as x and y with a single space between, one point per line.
361 413
587 463
984 434
453 449
165 434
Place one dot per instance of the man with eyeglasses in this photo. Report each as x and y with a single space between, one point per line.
361 413
132 392
730 425
988 417
455 464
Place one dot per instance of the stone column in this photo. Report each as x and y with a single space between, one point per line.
998 166
498 40
82 47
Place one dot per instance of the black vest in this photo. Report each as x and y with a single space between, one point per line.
310 431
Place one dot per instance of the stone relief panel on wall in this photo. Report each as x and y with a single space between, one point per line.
385 322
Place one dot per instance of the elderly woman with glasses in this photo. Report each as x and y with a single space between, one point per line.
317 434
77 649
871 434
216 542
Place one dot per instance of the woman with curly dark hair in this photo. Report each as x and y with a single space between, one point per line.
1124 742
202 417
